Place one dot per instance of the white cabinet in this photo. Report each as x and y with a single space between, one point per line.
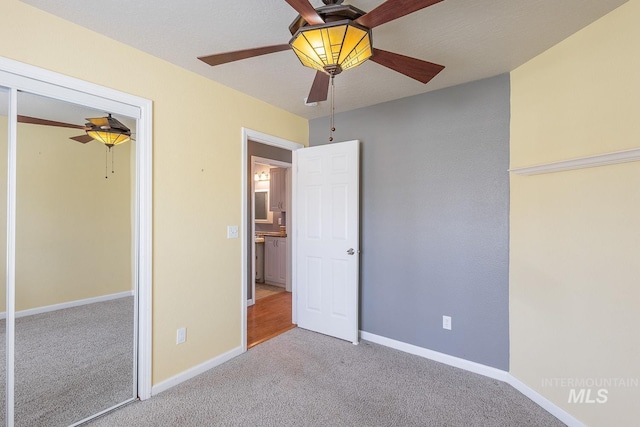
275 260
277 190
259 262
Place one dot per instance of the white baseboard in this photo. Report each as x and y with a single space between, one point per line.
61 306
467 365
477 368
544 403
196 370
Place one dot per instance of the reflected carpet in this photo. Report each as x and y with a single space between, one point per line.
71 363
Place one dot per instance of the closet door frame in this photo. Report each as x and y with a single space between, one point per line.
17 76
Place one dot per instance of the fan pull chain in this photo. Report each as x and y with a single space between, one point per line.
106 161
333 101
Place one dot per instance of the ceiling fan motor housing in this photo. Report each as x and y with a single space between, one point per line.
334 11
335 15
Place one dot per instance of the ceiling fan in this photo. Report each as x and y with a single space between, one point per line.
336 37
107 130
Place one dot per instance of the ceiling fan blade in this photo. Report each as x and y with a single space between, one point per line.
319 88
223 58
36 121
393 9
82 138
418 69
308 13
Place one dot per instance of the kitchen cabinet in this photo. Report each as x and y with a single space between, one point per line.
277 190
275 260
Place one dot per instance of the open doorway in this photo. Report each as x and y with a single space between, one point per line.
270 196
268 286
269 311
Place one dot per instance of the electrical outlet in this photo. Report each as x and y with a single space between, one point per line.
446 322
181 335
232 232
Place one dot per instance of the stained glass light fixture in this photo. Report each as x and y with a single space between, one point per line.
108 131
332 47
109 138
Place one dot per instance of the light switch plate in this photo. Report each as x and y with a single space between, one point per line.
181 336
232 232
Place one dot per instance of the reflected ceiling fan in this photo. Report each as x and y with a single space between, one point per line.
106 130
336 37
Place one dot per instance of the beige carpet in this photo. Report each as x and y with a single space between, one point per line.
301 378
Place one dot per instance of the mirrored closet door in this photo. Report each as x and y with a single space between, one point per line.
74 290
4 138
74 293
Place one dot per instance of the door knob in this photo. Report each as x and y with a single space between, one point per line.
351 251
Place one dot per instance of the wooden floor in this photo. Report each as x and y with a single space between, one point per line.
268 317
264 290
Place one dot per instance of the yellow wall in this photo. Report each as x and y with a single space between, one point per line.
73 227
575 235
196 176
73 231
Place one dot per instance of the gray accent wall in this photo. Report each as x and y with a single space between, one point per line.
435 217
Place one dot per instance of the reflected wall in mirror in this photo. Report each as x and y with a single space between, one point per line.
74 348
4 137
262 214
262 207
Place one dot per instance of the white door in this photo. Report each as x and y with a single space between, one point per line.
327 239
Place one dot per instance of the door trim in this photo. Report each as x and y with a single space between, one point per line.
18 75
274 141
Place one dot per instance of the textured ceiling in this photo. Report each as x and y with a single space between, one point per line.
473 39
52 109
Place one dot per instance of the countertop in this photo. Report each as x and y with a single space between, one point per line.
270 233
259 238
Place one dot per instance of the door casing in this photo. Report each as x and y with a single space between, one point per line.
263 138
